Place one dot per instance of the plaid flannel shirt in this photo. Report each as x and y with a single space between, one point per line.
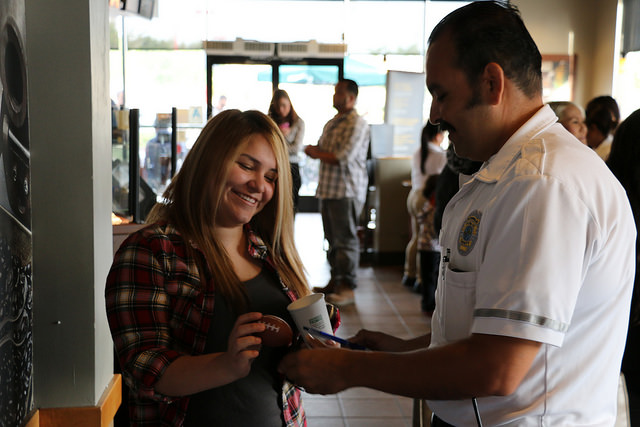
347 137
158 310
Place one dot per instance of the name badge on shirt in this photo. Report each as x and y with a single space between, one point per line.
469 233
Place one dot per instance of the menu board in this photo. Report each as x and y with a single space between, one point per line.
403 110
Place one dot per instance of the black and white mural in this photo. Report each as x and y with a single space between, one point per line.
16 293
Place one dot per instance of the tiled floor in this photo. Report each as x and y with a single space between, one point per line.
383 304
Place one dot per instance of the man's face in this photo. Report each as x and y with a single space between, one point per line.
342 99
456 105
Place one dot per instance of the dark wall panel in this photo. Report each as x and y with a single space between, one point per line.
16 291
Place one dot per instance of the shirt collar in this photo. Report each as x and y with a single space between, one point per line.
257 248
348 115
494 168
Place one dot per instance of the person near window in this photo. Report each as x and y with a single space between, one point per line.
602 118
292 126
342 188
623 162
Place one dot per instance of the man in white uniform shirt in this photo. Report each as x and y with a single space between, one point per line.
537 254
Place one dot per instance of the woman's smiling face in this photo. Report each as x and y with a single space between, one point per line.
250 184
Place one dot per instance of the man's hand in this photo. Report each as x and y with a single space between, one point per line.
318 371
312 151
316 152
481 365
379 341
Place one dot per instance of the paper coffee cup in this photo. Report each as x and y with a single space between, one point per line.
310 311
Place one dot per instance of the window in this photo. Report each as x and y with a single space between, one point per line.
160 64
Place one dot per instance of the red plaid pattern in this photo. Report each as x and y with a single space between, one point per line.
158 310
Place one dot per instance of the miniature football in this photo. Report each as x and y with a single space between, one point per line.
278 333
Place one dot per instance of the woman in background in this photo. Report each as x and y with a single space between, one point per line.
186 293
428 247
623 162
571 116
292 127
602 118
428 159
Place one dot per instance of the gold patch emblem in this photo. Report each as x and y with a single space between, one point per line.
469 233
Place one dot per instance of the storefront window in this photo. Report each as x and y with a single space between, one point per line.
276 21
159 64
627 84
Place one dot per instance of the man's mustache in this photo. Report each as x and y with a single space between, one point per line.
445 126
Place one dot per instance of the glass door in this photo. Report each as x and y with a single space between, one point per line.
243 83
310 88
240 86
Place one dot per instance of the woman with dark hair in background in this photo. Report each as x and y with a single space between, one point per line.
292 126
428 159
602 118
623 162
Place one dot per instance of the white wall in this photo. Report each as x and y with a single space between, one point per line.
67 46
593 23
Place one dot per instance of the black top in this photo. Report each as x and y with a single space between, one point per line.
254 400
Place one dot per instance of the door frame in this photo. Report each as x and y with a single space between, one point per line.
274 62
305 203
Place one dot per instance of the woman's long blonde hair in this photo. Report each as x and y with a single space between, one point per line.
192 200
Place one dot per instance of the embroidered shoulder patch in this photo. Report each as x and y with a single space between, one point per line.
469 233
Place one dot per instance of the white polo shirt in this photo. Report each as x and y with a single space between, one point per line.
541 244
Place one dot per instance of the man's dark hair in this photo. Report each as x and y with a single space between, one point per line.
352 86
491 31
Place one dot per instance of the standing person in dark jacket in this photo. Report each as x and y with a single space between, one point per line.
623 162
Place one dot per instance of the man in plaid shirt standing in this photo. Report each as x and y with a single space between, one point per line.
342 188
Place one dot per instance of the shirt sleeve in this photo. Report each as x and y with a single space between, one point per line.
296 144
356 135
530 278
139 316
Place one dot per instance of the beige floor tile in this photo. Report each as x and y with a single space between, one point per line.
322 407
406 406
379 422
364 393
371 407
382 303
325 422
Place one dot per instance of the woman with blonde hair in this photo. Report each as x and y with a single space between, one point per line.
185 295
